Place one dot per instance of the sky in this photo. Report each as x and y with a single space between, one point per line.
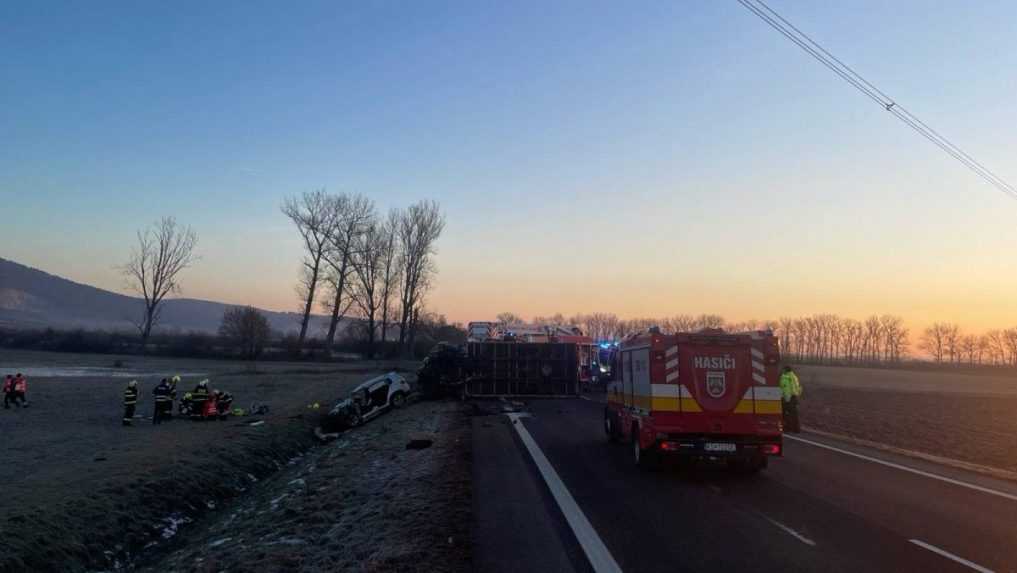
647 158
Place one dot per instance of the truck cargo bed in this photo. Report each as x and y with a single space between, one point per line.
522 369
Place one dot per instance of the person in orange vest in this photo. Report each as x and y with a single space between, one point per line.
130 401
8 391
20 390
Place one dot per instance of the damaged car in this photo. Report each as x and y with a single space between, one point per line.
369 400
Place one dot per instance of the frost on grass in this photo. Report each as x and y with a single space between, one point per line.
327 510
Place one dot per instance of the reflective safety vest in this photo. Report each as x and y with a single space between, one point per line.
8 385
130 396
199 394
162 393
20 385
789 385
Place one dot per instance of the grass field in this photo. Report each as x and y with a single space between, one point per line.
970 418
90 492
924 381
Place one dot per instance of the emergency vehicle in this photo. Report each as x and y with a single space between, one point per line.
707 394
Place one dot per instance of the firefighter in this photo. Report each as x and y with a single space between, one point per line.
199 396
163 402
8 391
790 390
20 390
224 404
130 401
173 396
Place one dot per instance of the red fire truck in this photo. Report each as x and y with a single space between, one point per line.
707 394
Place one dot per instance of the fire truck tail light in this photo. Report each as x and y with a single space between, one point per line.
771 449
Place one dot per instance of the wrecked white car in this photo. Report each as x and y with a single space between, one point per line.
369 400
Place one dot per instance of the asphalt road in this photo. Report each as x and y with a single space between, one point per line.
816 509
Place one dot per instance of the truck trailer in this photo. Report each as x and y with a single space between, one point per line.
707 394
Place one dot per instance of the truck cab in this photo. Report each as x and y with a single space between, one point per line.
707 394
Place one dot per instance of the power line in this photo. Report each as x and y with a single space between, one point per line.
848 74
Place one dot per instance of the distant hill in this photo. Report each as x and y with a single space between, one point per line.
30 298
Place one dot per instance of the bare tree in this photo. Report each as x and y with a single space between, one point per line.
163 251
419 228
366 287
934 341
708 321
968 348
311 214
1010 340
391 271
509 318
247 328
951 341
997 346
350 217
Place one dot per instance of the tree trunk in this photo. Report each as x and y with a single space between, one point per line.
147 331
413 332
370 336
310 302
340 287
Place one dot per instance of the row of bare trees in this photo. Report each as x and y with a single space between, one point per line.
946 343
831 338
817 338
381 267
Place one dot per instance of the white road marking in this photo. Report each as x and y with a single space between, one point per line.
950 556
587 398
791 532
1002 494
596 552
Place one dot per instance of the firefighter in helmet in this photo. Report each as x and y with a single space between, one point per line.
790 390
163 403
199 396
130 401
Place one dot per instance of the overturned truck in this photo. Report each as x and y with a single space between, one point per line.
497 368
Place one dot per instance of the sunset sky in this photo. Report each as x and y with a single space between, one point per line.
639 158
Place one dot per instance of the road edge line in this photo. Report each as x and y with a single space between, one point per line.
990 471
901 467
951 556
597 554
791 532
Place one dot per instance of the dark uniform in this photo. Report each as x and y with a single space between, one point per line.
199 396
163 401
130 402
9 392
224 404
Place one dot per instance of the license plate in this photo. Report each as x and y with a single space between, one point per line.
715 447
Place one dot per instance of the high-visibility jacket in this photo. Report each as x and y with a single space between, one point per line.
199 394
789 385
20 385
130 396
162 393
8 385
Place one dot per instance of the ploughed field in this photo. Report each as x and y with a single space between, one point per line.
84 492
965 417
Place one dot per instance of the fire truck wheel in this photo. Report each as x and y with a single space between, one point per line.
644 458
611 426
